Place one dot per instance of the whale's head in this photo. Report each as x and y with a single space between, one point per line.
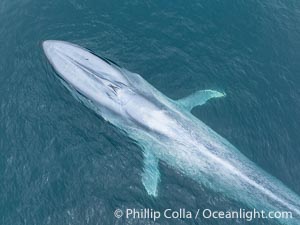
97 79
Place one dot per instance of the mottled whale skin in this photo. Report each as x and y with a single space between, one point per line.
167 131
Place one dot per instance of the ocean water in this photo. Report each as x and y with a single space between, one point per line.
61 164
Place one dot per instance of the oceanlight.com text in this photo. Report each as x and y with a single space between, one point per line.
182 213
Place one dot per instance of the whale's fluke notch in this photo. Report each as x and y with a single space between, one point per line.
151 174
199 98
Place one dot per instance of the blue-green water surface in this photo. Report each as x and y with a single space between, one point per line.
62 164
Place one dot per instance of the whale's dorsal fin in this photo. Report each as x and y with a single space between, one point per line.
199 98
151 174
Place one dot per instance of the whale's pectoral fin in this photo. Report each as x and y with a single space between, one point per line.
199 98
151 174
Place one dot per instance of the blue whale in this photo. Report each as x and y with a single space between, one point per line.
166 130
